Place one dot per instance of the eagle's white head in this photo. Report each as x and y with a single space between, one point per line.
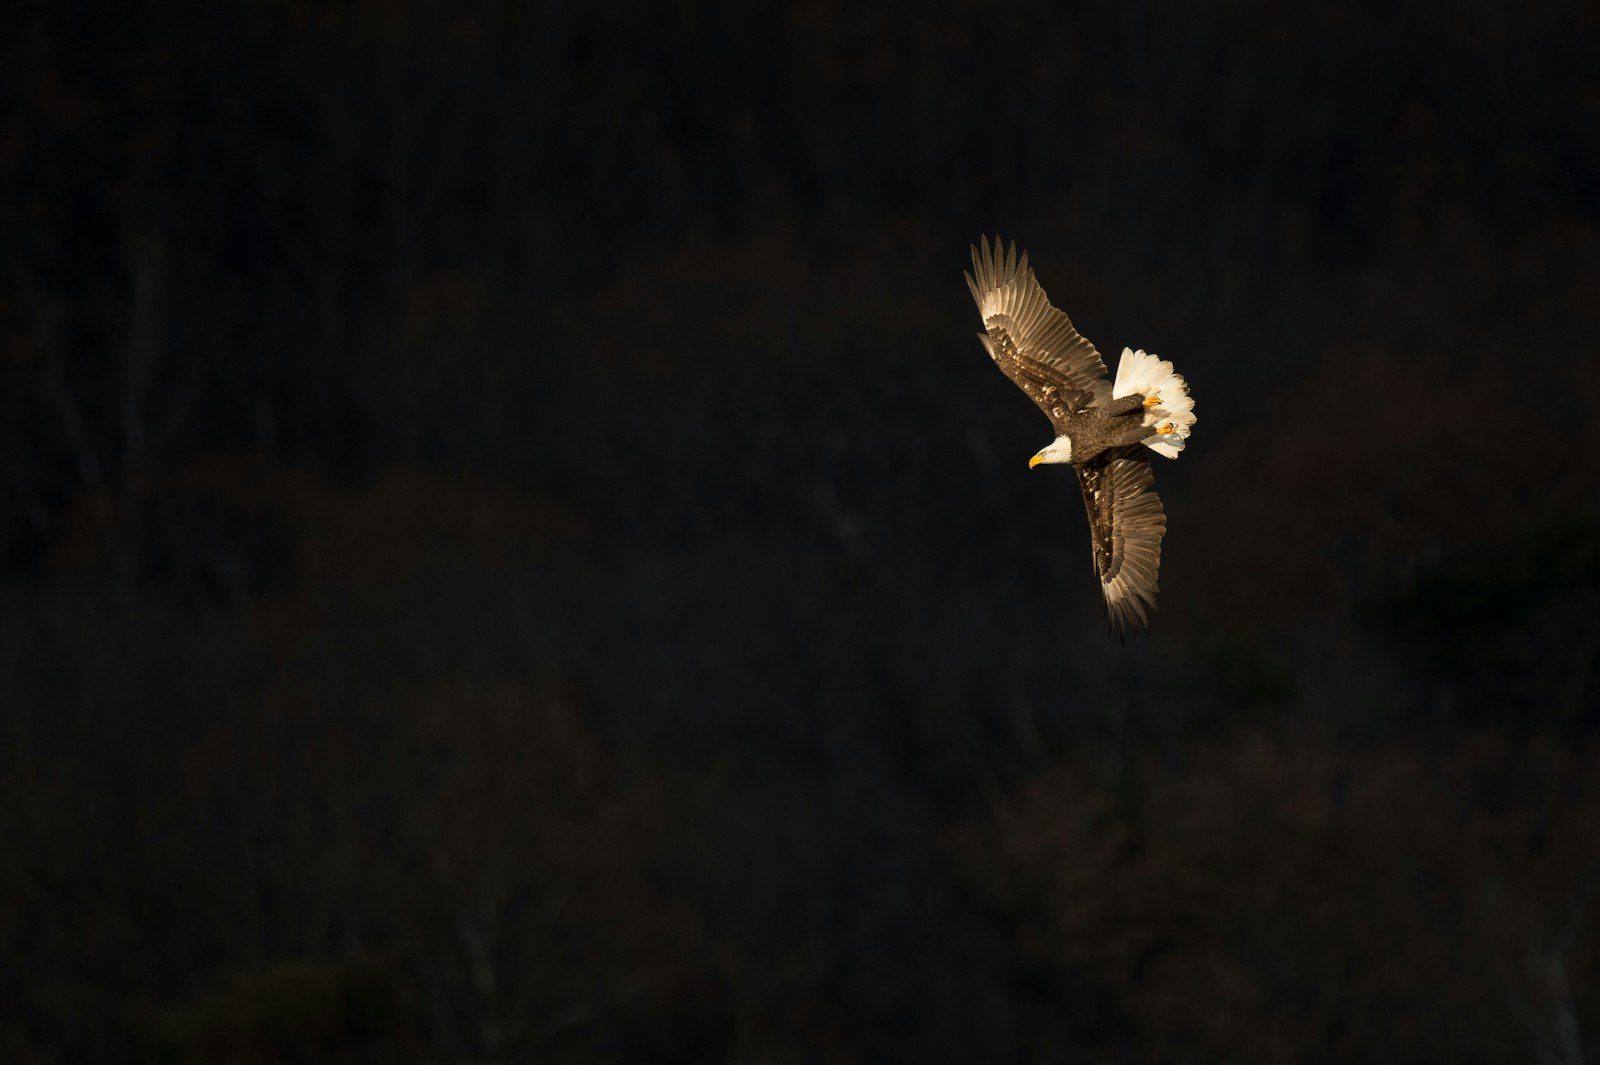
1060 450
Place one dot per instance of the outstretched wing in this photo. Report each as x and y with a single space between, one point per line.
1033 342
1126 524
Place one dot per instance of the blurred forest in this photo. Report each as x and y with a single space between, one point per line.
510 549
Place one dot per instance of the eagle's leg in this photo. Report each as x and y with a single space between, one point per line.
1124 405
1137 433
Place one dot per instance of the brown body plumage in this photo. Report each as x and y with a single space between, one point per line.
1095 430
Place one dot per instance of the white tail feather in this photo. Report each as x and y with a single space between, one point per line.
1143 374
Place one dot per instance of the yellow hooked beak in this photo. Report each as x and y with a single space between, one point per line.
1035 461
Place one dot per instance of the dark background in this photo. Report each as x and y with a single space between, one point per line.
510 549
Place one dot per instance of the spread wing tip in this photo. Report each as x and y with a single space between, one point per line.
1128 617
1041 345
999 262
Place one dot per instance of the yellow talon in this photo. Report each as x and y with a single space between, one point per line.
1167 428
1151 401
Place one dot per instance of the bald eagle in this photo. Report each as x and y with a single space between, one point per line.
1106 430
